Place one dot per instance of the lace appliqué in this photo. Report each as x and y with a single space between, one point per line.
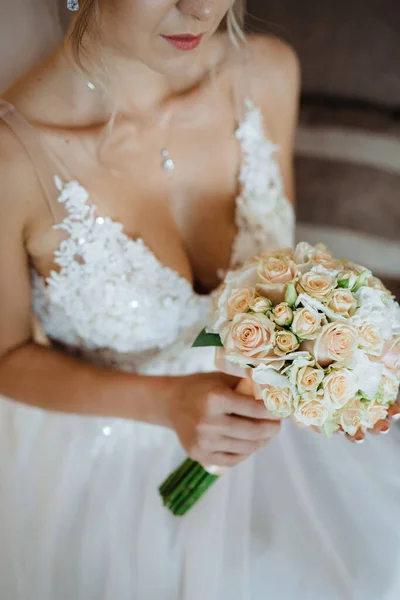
264 216
111 291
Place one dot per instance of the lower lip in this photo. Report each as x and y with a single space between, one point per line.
184 43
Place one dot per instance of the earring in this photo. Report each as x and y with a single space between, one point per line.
73 5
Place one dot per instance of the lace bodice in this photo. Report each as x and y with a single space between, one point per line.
113 302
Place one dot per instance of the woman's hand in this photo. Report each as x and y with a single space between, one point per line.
216 424
381 427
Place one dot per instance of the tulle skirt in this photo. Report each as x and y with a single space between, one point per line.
80 517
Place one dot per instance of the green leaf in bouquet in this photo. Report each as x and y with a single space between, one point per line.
344 283
361 280
291 295
205 339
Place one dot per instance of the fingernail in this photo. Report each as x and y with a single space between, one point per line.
384 431
359 441
396 416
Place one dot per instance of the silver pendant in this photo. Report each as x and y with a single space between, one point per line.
73 5
167 163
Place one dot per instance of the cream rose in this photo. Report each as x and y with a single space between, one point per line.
261 305
336 342
340 386
389 388
274 273
373 412
240 301
308 379
285 342
306 323
370 339
245 277
325 259
351 417
311 413
248 338
347 280
391 356
279 401
287 252
343 302
317 283
282 314
376 284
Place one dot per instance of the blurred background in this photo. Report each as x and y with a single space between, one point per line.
348 142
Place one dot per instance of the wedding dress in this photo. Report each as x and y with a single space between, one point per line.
80 516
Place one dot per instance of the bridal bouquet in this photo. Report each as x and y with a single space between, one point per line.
319 339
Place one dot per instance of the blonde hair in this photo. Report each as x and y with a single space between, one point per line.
234 24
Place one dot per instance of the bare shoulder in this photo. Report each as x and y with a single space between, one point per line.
20 190
274 69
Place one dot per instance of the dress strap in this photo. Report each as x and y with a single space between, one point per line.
46 165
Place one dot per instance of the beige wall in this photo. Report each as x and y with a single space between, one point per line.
28 30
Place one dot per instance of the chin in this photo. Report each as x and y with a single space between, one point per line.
174 66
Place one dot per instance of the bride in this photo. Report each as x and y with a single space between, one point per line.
150 153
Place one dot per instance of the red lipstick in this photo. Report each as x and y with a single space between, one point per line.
184 42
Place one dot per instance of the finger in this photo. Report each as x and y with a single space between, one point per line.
394 411
381 427
358 438
224 459
245 406
249 429
234 446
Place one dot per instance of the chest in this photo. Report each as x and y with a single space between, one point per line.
187 215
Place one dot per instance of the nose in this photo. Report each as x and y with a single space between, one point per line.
203 10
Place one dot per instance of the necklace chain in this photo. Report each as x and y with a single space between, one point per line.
167 163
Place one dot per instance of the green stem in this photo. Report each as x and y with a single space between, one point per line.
207 481
190 484
185 486
171 482
182 485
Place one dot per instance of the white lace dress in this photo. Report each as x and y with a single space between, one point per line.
80 514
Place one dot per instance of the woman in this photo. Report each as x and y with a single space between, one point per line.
136 168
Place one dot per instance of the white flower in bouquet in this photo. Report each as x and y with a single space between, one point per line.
378 308
370 339
372 413
368 373
389 387
351 418
307 301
